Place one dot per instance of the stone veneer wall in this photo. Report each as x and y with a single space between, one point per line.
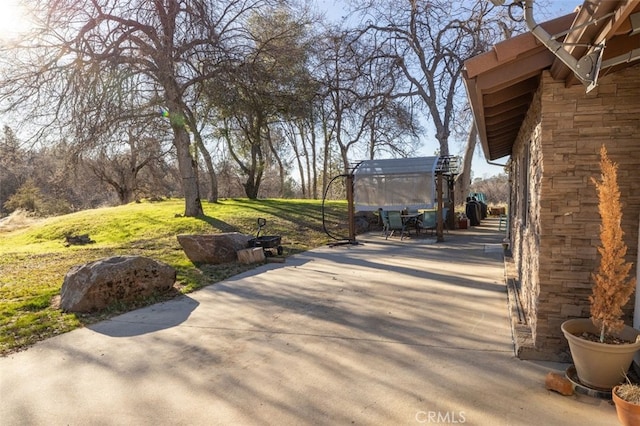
525 183
555 220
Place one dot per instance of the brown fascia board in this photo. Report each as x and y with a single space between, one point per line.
513 48
475 101
524 46
621 45
511 74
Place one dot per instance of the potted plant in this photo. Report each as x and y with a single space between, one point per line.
463 221
602 346
626 398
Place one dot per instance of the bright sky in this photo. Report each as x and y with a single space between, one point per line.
12 19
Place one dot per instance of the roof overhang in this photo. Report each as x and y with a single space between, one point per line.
501 83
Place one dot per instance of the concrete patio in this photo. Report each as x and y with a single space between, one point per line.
386 332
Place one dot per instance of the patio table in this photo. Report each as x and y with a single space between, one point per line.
411 219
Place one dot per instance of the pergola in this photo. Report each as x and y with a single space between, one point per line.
405 183
395 184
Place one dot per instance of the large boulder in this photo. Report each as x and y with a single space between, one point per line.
213 248
96 285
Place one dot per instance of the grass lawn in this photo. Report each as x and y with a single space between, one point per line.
34 258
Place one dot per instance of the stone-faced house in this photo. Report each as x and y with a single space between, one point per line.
534 115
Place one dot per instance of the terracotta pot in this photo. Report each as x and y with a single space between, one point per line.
599 365
628 413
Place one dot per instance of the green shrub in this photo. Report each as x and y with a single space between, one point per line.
28 197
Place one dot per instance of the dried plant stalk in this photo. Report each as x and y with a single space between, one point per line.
612 286
629 392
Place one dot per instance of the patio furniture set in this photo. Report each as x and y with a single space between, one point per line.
404 221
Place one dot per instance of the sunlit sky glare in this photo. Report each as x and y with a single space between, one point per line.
13 19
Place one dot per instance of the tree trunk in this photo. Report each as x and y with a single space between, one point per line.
298 158
312 170
276 156
211 173
325 159
254 172
188 173
463 180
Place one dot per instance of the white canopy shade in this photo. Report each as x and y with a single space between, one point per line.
395 184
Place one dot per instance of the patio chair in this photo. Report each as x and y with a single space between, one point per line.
395 224
428 221
384 218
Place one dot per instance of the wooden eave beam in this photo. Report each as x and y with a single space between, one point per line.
523 100
515 91
594 34
505 129
508 115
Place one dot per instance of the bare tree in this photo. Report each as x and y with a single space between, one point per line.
164 49
119 163
345 102
301 137
495 188
463 180
428 42
197 129
359 117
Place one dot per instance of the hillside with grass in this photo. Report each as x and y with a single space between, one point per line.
34 255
